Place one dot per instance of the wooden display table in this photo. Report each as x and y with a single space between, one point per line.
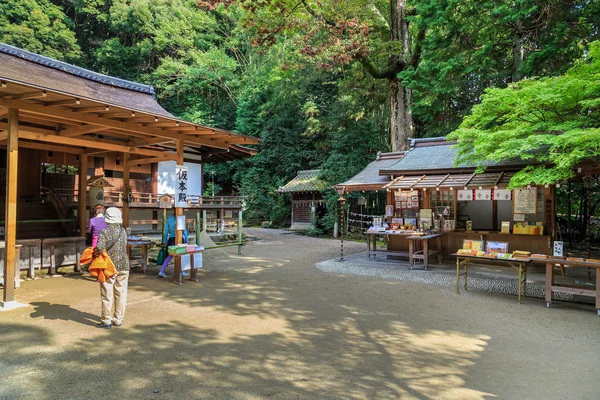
519 264
177 277
372 243
552 287
138 261
425 252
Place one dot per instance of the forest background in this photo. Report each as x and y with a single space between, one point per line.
324 84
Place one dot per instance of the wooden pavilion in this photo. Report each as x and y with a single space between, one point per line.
50 108
307 198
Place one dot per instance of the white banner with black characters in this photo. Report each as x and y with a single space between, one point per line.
181 188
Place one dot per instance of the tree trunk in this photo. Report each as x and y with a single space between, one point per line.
401 116
401 125
518 53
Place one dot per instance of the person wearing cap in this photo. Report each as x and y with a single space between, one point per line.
113 291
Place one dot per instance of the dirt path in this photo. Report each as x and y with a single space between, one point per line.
269 324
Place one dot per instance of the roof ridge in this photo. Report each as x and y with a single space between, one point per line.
75 70
306 171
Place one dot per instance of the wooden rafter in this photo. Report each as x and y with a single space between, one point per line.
26 95
96 120
151 160
65 102
80 130
50 147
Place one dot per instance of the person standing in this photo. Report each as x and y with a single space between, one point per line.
97 223
113 292
169 240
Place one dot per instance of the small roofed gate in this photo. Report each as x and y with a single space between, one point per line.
302 207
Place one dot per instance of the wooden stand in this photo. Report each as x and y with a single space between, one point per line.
143 261
519 265
177 277
425 252
552 287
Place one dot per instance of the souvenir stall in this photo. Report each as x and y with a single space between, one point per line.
428 194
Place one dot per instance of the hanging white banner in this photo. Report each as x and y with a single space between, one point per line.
181 188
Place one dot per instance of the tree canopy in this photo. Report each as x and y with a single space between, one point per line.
553 122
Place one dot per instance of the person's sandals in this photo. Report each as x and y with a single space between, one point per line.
162 275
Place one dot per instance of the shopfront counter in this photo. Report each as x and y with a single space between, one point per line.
535 244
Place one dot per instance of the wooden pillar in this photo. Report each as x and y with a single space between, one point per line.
240 232
204 221
10 220
178 213
82 194
126 190
198 231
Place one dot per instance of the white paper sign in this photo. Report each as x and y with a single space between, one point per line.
483 194
181 188
525 201
181 222
519 217
502 194
463 195
558 248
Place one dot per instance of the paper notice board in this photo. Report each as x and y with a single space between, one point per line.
525 201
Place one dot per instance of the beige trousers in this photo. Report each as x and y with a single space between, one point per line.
113 293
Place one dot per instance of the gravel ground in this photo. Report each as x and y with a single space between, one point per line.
269 324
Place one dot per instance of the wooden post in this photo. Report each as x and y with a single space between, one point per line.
82 195
198 231
204 221
178 213
126 190
10 220
240 232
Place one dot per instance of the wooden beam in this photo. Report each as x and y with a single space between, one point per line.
92 109
96 120
80 130
153 160
26 134
149 142
27 95
10 215
92 152
126 190
50 147
3 135
166 124
66 102
82 194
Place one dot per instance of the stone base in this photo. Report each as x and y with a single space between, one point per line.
300 226
10 305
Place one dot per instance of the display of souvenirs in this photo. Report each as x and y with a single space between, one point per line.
476 245
523 228
407 199
449 225
496 247
505 227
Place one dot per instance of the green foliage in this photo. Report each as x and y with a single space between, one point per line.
38 26
554 121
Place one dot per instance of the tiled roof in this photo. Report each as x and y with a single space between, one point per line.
434 154
369 176
74 70
305 181
21 66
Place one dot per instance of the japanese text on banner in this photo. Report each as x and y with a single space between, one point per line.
181 187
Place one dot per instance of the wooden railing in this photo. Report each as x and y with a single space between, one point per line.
140 199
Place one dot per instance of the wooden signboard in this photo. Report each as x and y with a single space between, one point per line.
164 201
525 201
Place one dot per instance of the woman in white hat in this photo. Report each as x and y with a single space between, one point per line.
113 292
